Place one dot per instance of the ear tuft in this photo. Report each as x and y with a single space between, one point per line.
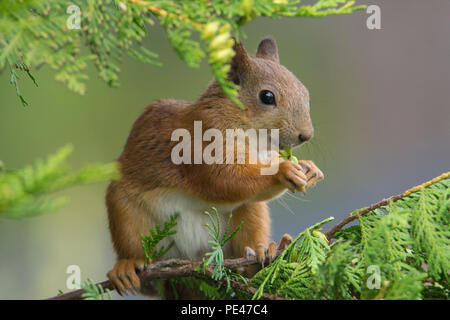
240 64
268 49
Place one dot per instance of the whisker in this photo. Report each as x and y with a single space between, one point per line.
297 198
285 205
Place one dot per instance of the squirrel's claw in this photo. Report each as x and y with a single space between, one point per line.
298 177
124 277
268 254
285 241
259 253
312 172
264 254
292 176
249 253
271 252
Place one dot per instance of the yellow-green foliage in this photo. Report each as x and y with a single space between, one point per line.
35 32
24 192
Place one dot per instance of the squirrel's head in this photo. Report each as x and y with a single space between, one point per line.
273 96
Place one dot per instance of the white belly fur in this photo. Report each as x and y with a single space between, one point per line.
191 239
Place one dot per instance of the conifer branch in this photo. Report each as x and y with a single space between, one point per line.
177 268
356 214
27 191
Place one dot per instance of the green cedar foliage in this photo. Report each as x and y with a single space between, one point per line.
40 32
24 192
150 242
94 291
407 241
217 242
218 286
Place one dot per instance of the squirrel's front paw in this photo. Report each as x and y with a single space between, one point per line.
123 276
267 255
292 176
312 172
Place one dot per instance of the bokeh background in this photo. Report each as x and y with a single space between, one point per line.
379 100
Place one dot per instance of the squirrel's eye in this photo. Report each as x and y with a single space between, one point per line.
267 97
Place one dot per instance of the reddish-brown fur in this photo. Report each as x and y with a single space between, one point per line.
148 171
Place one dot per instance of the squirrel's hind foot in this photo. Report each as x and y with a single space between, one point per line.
266 255
124 277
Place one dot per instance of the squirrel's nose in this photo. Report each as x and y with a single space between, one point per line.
304 137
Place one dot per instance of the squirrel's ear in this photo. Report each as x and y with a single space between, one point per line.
240 64
268 49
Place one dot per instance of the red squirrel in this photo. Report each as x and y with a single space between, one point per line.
152 187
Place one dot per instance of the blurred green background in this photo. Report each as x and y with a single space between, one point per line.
379 101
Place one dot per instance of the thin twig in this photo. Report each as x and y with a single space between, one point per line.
353 216
163 13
